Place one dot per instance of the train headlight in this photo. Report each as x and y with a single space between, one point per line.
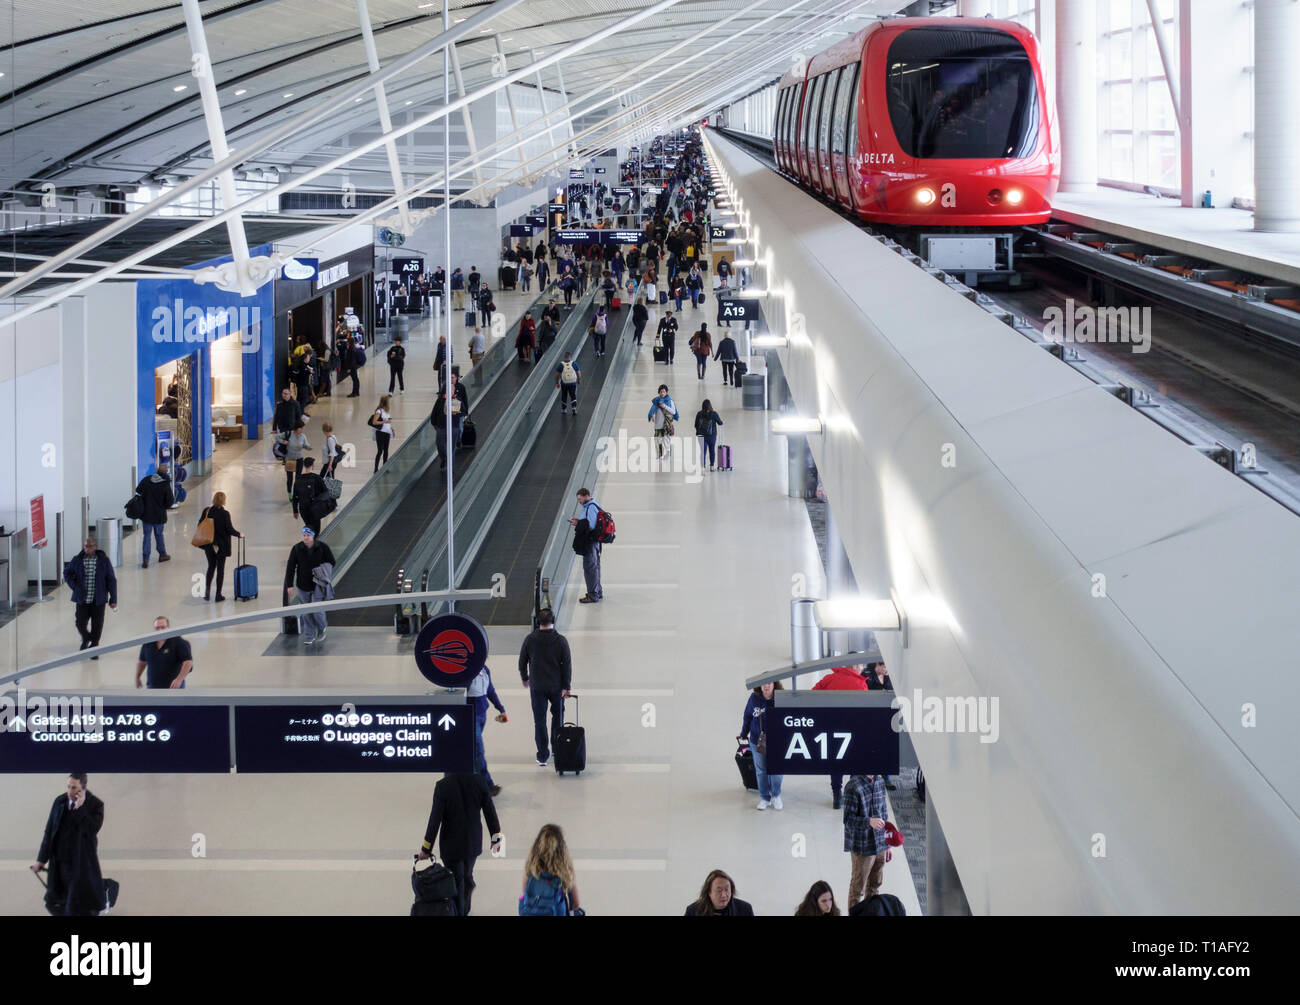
1015 197
926 197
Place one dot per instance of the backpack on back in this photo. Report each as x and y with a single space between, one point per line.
602 324
568 375
544 897
604 526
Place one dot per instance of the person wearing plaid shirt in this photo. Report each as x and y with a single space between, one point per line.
865 813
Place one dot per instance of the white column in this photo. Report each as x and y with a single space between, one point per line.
975 8
1076 93
1277 141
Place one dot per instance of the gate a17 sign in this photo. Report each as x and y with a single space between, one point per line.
832 733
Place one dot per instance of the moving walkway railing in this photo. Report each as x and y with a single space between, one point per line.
434 598
558 556
482 492
360 518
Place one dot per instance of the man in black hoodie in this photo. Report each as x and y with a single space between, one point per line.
547 671
311 499
458 801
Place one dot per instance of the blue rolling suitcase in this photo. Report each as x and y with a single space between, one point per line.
471 318
245 577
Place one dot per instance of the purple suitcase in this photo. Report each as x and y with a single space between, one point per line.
724 457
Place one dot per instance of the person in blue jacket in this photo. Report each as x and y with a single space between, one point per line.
663 413
480 692
753 726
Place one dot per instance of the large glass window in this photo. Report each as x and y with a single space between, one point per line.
969 93
810 113
1139 132
842 98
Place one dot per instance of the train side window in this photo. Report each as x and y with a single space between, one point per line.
810 113
828 110
783 121
842 99
853 112
796 104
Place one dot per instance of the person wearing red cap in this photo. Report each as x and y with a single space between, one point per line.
841 679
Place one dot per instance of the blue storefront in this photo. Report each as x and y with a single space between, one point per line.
181 322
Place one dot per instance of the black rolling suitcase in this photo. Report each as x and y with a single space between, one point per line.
288 625
738 373
436 894
745 762
570 746
661 354
468 434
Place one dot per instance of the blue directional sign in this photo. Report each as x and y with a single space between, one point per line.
832 732
390 737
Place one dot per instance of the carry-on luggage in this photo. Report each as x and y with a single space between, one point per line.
661 354
738 373
471 318
616 304
435 890
724 457
111 889
570 745
663 297
745 762
288 625
245 577
468 434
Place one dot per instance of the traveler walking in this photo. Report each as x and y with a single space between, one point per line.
481 693
730 356
865 813
155 491
300 582
396 364
818 902
70 848
458 290
168 660
287 413
459 799
486 306
753 726
663 413
381 422
440 358
550 881
90 576
331 451
459 412
543 272
526 340
567 378
599 328
718 898
311 499
587 543
477 346
472 284
639 318
295 449
707 422
546 668
668 333
217 550
702 345
345 349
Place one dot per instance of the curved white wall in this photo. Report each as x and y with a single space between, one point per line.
1121 715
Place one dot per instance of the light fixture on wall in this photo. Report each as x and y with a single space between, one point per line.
795 425
862 614
770 342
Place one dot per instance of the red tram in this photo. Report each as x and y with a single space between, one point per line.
931 122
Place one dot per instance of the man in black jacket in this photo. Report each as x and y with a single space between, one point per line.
71 849
458 800
396 364
156 492
287 413
729 356
459 412
311 499
305 556
546 668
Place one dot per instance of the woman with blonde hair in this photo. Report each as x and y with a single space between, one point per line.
218 549
550 887
380 422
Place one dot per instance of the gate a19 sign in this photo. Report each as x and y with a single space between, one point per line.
832 736
737 309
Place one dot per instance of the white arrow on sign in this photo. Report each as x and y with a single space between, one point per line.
446 722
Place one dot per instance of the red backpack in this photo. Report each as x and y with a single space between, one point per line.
604 526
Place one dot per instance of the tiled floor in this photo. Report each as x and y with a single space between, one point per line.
697 598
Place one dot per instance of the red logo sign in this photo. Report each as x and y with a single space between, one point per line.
451 649
38 522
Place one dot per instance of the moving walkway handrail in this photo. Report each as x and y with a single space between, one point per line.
261 614
359 520
482 492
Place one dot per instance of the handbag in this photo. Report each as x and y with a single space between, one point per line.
204 533
761 746
374 422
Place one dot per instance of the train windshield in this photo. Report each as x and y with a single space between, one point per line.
962 93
